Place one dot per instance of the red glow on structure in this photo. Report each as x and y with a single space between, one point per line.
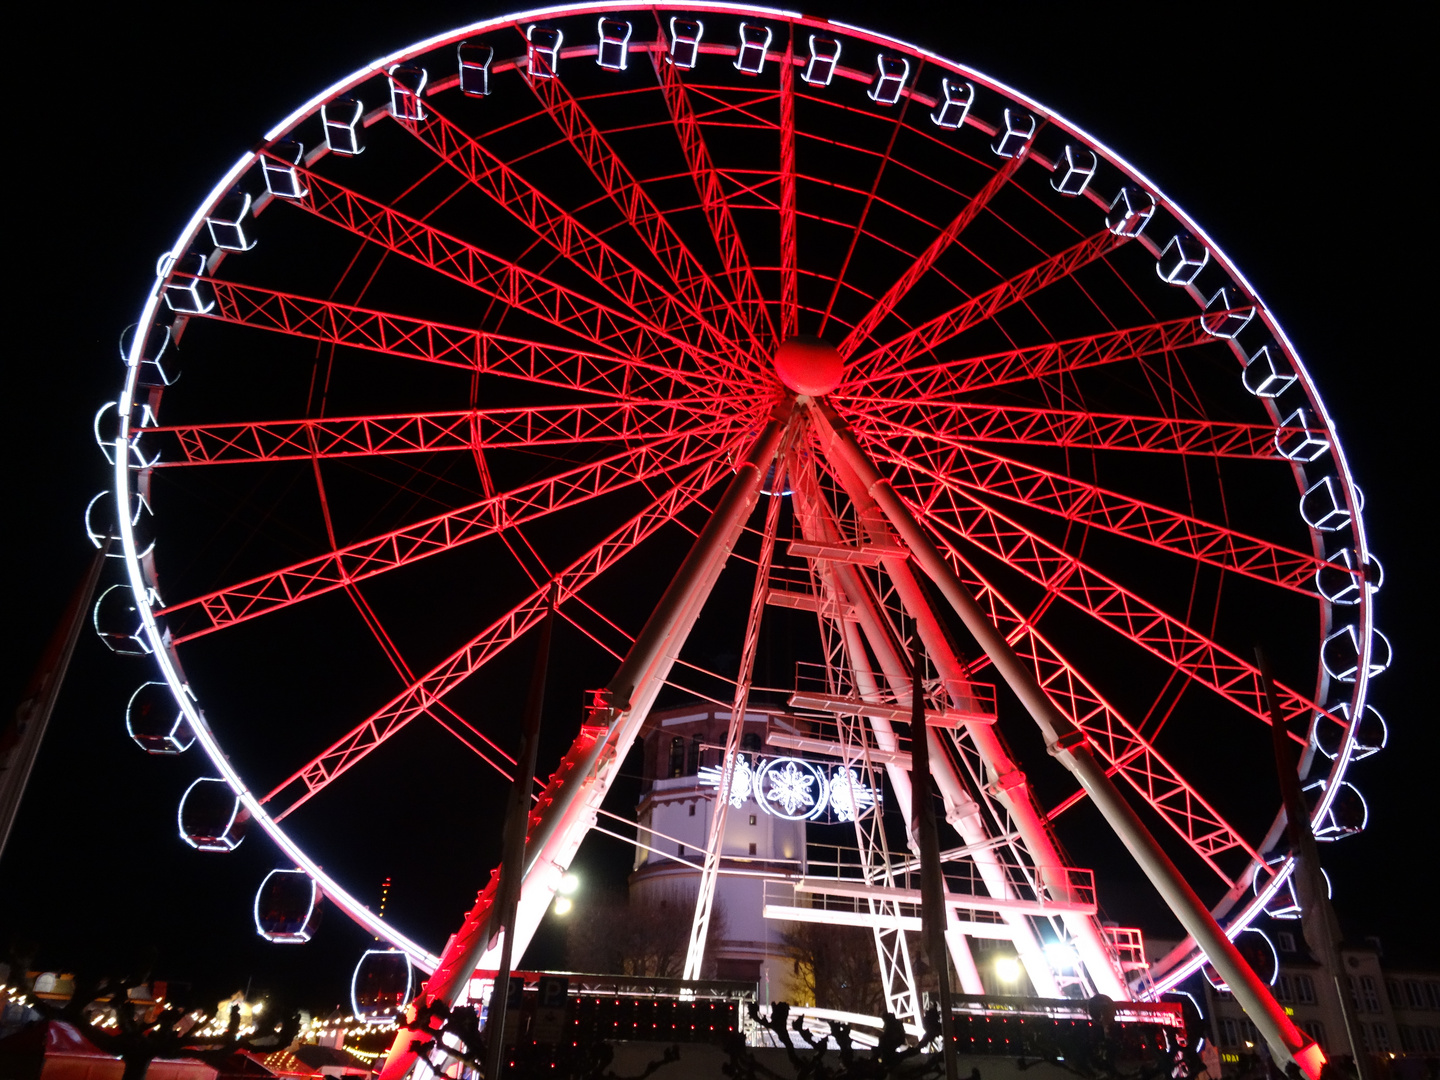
808 365
1311 1060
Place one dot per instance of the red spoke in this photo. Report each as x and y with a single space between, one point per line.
412 433
1162 635
927 258
549 221
953 423
738 271
511 284
1113 738
892 357
789 252
958 377
965 469
444 532
859 228
432 687
438 343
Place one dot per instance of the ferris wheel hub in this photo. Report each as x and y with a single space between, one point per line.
808 365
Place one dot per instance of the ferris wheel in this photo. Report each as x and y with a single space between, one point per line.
601 302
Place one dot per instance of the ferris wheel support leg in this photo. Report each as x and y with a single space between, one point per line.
1069 746
1009 785
567 806
961 810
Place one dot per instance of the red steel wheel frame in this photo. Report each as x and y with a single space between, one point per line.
471 302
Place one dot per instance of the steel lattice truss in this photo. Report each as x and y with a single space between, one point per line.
464 339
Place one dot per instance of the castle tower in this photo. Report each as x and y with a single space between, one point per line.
683 747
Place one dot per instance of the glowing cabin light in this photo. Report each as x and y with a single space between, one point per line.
407 83
210 816
824 56
684 47
1019 130
1367 737
155 723
891 73
227 222
1007 969
1130 211
613 52
1078 165
118 622
1223 320
1263 376
381 986
1340 653
1298 439
277 165
1258 951
475 58
543 51
287 907
563 905
151 374
1338 580
569 885
340 119
754 42
1323 507
957 97
185 292
1182 260
1345 810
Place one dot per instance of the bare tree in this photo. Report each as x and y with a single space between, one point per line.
835 967
644 936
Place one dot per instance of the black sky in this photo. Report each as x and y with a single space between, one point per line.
1294 139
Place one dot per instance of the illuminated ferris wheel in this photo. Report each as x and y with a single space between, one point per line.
903 352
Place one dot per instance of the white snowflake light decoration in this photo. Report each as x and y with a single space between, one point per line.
849 798
742 779
793 788
790 788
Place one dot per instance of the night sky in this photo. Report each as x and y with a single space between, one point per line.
1294 140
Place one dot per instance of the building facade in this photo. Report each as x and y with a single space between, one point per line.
1397 1009
683 748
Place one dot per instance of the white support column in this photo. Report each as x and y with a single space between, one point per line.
577 788
1007 781
1070 747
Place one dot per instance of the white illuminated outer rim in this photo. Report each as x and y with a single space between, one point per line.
169 666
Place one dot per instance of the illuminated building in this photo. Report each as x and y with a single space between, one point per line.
1397 1008
682 748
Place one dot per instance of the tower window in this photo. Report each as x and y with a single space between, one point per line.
752 819
692 809
752 847
677 757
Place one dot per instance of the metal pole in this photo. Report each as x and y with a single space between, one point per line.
1071 748
1317 918
517 816
20 741
934 912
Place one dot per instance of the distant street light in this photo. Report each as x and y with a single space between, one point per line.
568 884
563 905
